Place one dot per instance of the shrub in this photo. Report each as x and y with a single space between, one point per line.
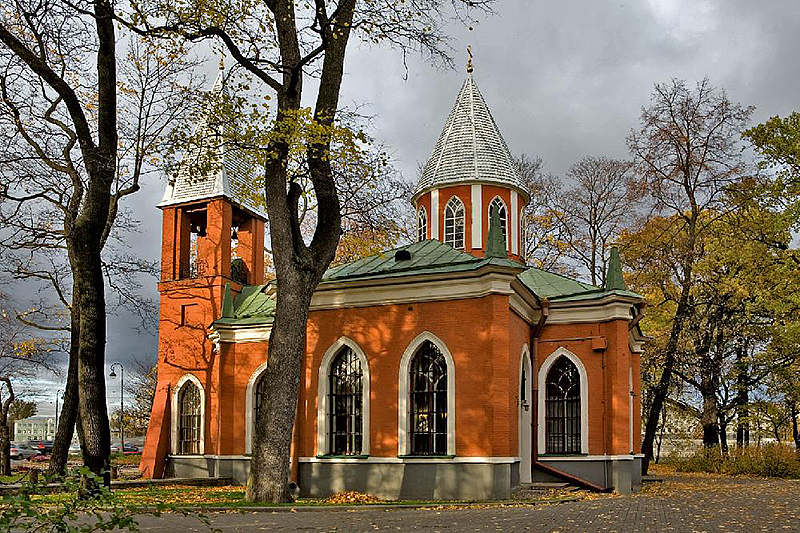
771 460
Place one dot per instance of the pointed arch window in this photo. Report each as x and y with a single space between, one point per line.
189 419
563 408
428 400
345 403
454 223
502 212
422 224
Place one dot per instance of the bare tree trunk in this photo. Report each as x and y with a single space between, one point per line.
723 434
661 434
661 390
709 417
69 411
286 352
5 448
742 400
5 431
795 430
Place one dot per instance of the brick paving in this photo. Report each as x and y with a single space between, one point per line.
681 504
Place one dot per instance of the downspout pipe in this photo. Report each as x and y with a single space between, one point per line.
544 303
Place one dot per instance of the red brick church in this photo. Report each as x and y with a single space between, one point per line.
444 369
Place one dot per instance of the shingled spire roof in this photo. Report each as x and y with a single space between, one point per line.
470 147
211 169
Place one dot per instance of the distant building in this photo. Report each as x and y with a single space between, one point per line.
35 428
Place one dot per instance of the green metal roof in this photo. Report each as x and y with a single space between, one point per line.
558 288
256 303
429 256
252 306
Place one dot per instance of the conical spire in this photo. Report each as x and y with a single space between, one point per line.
495 244
210 167
614 279
470 147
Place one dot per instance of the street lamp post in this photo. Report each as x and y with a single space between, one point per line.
121 404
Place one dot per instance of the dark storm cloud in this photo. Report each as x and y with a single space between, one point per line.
563 79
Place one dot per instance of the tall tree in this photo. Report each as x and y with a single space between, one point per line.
279 44
591 213
22 357
70 161
688 152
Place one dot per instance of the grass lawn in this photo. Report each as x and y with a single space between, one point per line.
233 496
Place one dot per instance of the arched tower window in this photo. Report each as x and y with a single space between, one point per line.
422 224
345 403
428 400
189 419
502 212
454 223
563 408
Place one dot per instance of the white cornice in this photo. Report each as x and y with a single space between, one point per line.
595 311
239 333
410 289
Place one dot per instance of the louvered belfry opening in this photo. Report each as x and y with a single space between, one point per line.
563 408
428 401
189 428
345 403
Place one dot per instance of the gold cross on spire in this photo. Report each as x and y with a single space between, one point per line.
469 61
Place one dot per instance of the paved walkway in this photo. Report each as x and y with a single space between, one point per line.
680 504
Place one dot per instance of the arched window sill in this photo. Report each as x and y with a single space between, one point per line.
426 456
332 456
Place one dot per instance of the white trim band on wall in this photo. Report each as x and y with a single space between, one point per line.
514 222
434 221
477 214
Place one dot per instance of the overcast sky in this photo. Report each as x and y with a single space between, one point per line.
563 79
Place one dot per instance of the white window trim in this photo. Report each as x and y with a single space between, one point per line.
524 430
542 378
175 412
434 220
323 386
250 403
489 215
422 215
403 407
455 225
513 233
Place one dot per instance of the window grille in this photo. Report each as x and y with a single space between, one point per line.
498 204
345 404
454 223
428 381
422 224
189 429
563 408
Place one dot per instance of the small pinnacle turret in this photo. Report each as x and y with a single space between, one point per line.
614 279
495 243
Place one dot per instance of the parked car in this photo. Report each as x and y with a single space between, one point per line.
129 448
20 450
43 446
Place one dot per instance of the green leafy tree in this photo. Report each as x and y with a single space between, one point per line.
279 45
687 152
